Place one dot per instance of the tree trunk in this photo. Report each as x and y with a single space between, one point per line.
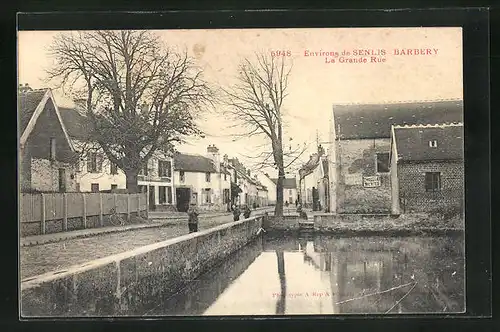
281 304
278 211
131 181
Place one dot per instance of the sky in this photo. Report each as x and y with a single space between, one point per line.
316 82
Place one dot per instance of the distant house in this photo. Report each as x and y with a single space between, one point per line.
248 184
201 180
270 185
46 154
427 168
96 173
360 148
313 182
289 190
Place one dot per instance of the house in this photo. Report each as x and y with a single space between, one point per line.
313 182
290 194
247 184
46 154
201 179
95 172
427 168
270 185
262 195
360 136
156 178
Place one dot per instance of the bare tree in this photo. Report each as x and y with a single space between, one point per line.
255 103
140 97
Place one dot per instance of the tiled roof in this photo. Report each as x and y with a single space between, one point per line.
27 104
287 183
193 163
412 143
77 125
357 121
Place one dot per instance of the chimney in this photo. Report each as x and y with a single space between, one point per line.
24 88
213 153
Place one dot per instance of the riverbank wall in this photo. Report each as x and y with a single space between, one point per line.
111 285
369 224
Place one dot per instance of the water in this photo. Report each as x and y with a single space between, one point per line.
326 275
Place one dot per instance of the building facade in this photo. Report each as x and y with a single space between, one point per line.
427 169
47 157
359 167
270 185
202 180
290 192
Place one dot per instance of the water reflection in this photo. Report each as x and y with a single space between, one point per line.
326 275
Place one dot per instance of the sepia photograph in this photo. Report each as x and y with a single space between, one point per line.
241 172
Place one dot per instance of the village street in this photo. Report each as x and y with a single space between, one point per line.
46 257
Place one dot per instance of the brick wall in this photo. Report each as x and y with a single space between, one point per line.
413 195
356 159
116 285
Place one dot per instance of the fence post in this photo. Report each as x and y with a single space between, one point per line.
42 222
128 207
114 203
84 200
139 205
65 212
101 219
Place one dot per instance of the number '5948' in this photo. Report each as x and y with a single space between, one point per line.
281 53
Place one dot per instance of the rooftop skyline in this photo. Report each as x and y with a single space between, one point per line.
315 86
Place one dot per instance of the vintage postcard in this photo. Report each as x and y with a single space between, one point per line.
297 171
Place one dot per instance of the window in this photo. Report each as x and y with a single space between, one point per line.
433 144
432 181
382 162
169 195
113 168
94 187
207 195
225 176
290 192
52 148
142 189
78 187
114 186
164 168
182 176
162 194
144 170
92 162
207 177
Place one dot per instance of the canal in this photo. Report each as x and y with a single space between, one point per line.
290 275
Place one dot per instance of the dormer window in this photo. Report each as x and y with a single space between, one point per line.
433 144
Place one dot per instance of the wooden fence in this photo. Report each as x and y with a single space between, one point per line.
41 208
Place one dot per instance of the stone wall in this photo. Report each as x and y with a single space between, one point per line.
45 175
412 193
357 159
112 286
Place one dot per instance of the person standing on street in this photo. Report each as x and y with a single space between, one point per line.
236 213
247 212
193 218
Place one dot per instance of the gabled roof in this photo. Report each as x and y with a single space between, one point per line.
412 142
360 121
30 105
193 163
77 124
289 183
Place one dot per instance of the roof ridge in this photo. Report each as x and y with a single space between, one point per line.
400 102
436 125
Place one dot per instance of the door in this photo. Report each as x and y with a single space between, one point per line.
62 180
182 196
151 198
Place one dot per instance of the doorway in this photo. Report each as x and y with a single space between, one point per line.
152 204
62 180
183 196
